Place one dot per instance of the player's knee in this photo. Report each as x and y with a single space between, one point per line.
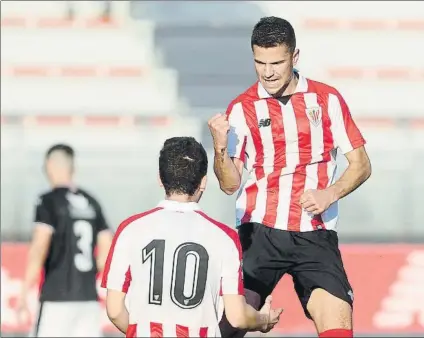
329 312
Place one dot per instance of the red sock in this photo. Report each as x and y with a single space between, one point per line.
336 333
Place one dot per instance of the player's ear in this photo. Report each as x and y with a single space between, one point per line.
203 183
296 56
159 181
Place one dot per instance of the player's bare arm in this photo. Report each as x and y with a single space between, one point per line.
242 316
104 241
37 254
357 172
116 309
227 170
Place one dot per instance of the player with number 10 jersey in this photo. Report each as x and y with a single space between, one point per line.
168 267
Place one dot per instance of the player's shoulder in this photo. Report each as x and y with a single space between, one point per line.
223 229
88 195
249 95
46 197
137 219
321 88
92 200
45 194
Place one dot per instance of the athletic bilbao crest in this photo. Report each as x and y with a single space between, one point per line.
314 115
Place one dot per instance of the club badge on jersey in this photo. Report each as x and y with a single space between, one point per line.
314 115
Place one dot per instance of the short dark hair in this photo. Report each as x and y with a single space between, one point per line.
272 31
66 149
183 163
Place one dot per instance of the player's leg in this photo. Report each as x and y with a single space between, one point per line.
322 284
261 270
53 320
88 319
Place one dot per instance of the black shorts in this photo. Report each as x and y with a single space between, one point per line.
312 258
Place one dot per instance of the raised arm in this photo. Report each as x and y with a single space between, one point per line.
229 140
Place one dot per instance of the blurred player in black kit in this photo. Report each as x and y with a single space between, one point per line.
68 226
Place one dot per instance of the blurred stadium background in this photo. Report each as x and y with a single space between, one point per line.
116 78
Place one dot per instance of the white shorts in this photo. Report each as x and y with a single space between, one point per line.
68 319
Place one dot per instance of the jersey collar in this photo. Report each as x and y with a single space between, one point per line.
179 206
302 87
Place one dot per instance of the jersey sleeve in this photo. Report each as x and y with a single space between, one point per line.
43 212
232 275
237 135
117 272
346 134
101 223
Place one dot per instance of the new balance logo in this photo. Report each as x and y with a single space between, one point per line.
264 123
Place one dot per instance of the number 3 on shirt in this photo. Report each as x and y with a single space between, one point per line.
155 251
84 232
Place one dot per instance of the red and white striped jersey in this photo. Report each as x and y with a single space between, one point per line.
288 148
174 262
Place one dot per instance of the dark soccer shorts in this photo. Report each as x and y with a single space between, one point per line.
312 258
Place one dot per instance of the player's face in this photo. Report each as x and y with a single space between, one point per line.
48 168
58 172
274 67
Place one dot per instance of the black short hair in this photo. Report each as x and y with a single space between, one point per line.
66 149
272 31
183 163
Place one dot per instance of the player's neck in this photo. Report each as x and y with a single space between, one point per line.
66 183
289 88
181 198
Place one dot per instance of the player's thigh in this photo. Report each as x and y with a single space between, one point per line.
263 266
54 320
88 319
329 311
264 263
320 280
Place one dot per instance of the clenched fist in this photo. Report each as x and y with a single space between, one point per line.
219 127
316 201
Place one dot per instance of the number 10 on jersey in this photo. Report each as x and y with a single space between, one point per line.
199 259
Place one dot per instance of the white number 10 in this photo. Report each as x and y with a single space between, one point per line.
84 231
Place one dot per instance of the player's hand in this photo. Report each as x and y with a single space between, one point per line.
273 315
219 127
316 201
22 310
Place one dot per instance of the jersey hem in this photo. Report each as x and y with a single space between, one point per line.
274 226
